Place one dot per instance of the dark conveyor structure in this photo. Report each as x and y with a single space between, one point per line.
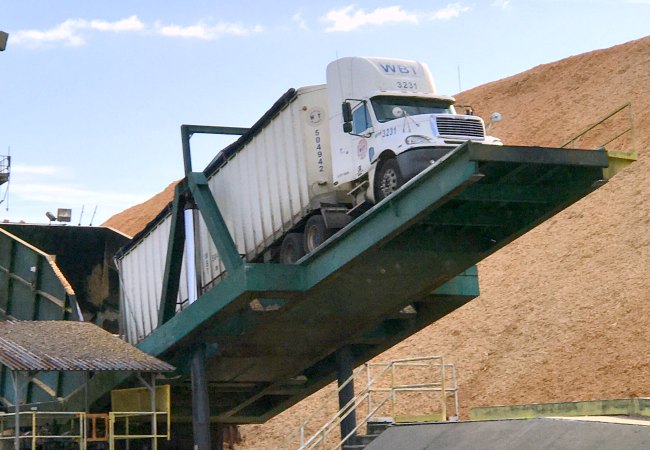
399 267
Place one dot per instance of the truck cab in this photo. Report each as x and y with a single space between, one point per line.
388 123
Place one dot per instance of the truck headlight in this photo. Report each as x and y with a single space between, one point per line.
417 139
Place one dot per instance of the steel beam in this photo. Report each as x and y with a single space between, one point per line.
537 155
188 130
174 259
213 219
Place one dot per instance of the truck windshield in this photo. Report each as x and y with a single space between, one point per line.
384 106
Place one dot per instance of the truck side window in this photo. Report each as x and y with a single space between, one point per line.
360 119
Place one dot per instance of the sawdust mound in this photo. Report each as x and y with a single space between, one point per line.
564 311
134 219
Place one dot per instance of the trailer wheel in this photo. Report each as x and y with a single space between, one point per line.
292 248
388 179
316 232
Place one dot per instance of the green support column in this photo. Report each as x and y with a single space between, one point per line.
214 221
174 260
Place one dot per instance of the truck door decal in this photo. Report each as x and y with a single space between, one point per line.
362 149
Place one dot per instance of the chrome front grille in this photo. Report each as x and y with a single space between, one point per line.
456 126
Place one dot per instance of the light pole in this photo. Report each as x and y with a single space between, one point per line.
3 40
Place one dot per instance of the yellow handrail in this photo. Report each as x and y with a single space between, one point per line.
601 121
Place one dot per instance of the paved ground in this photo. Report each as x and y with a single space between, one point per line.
515 434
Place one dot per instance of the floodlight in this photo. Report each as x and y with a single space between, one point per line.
63 215
3 40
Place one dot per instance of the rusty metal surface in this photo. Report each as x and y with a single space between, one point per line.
69 346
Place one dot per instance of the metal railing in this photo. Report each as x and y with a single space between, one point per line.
39 427
141 418
612 115
44 426
381 393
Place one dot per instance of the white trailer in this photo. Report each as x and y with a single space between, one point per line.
321 155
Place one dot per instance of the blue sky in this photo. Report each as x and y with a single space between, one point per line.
93 93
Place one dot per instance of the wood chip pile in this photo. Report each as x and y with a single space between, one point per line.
564 311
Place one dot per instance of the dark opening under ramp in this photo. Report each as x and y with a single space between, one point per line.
515 434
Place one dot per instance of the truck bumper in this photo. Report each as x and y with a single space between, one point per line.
414 161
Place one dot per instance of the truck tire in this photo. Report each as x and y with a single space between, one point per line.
292 248
316 232
388 179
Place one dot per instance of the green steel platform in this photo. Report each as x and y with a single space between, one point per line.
272 330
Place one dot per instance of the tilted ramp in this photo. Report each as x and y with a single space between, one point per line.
272 330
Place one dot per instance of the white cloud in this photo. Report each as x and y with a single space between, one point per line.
297 17
352 17
59 194
207 32
503 4
129 24
36 189
450 11
75 32
35 170
71 32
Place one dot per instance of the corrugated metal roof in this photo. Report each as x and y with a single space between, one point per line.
66 345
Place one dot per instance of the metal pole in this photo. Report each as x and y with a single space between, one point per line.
14 380
85 403
154 422
443 391
345 368
34 434
187 156
191 275
200 401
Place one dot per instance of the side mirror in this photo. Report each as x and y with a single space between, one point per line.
494 118
346 109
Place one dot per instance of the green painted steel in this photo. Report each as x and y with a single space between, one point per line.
57 273
272 330
33 287
217 228
174 259
188 130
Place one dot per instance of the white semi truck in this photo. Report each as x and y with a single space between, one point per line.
319 157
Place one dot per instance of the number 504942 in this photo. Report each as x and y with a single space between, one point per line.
319 151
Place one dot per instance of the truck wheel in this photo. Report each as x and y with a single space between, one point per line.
292 248
316 233
388 179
